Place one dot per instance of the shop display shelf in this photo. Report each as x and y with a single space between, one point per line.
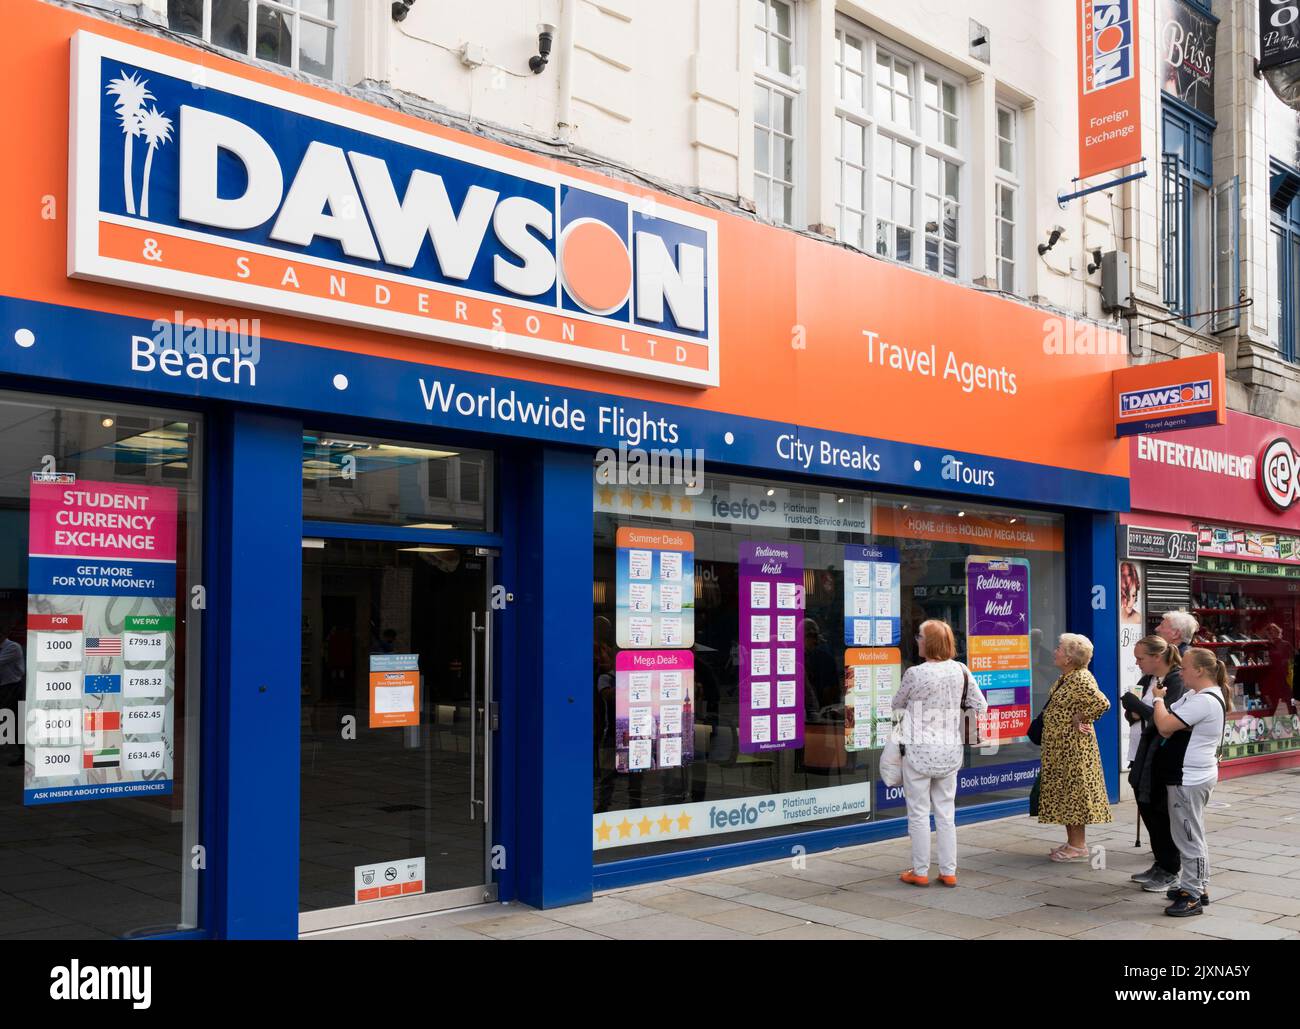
1244 643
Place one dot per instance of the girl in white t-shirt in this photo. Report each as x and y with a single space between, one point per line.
1188 761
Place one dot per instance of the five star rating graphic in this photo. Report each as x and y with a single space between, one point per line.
644 501
665 823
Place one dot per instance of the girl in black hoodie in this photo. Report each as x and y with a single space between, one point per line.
1159 661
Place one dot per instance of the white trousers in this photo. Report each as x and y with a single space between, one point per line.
926 796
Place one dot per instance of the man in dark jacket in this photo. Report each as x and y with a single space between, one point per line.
1151 794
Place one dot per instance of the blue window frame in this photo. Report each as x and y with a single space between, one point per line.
1284 233
1187 167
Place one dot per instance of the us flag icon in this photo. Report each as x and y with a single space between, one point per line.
103 646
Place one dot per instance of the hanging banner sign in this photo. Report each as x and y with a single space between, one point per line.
1110 94
101 624
1187 54
1170 395
1279 33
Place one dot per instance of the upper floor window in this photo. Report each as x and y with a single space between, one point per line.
1284 187
899 153
298 34
778 88
1006 197
1201 224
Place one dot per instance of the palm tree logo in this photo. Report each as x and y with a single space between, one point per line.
156 129
131 92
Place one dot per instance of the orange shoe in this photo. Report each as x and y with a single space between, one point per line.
948 880
913 879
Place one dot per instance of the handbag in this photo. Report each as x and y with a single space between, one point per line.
971 734
1035 730
891 763
1034 796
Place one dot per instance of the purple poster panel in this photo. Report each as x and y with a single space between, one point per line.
771 647
654 717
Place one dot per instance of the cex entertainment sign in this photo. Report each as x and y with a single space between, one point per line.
188 180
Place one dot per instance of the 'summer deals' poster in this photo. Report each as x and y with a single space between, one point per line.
101 660
655 579
654 718
997 640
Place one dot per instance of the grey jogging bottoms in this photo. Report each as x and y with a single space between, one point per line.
1187 824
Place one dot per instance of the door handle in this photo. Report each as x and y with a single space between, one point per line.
474 630
489 713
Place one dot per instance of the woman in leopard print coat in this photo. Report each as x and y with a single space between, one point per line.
1072 791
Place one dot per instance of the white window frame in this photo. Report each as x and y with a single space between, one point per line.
880 125
856 117
1008 179
775 83
294 9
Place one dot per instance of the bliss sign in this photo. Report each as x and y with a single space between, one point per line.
187 180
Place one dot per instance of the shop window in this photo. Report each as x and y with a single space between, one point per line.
99 677
898 125
303 35
1200 247
778 96
386 482
691 619
1285 236
1252 623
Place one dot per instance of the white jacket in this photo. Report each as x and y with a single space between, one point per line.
930 701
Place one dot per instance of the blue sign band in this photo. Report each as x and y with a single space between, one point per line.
333 382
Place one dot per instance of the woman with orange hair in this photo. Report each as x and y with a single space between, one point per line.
935 696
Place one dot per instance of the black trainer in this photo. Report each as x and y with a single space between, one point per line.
1184 905
1173 893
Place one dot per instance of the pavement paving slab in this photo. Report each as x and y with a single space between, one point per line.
1008 890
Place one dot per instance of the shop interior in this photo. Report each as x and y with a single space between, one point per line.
1251 623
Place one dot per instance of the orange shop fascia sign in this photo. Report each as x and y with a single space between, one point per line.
1110 87
790 328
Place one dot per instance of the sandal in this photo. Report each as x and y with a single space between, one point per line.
1068 853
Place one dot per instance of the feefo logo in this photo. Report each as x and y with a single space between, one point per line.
741 509
743 815
1279 474
1108 44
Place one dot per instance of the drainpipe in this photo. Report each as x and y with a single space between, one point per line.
564 111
